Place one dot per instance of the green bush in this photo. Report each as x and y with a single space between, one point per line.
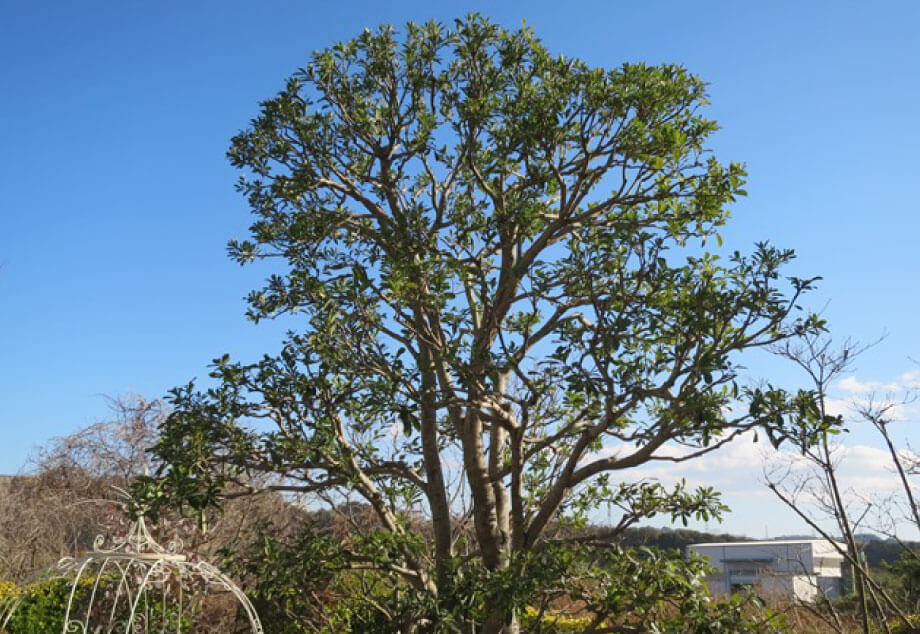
40 607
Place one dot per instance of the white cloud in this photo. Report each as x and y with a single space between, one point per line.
852 385
851 394
905 382
737 470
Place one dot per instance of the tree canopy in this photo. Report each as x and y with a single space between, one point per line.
499 256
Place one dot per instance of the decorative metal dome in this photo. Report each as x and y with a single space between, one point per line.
133 585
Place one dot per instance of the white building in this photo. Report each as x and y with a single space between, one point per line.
790 569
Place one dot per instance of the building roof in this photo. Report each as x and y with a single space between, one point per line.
767 542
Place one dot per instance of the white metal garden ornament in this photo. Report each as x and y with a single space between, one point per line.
133 585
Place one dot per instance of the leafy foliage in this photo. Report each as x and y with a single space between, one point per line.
41 607
291 581
905 572
499 256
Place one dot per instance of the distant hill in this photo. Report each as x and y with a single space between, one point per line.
672 538
880 552
865 538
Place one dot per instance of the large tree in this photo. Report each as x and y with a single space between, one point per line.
499 259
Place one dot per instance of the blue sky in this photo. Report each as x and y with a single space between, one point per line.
116 200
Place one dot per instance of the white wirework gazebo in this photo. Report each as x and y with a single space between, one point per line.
133 585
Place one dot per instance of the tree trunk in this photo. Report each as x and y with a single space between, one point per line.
437 491
485 518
